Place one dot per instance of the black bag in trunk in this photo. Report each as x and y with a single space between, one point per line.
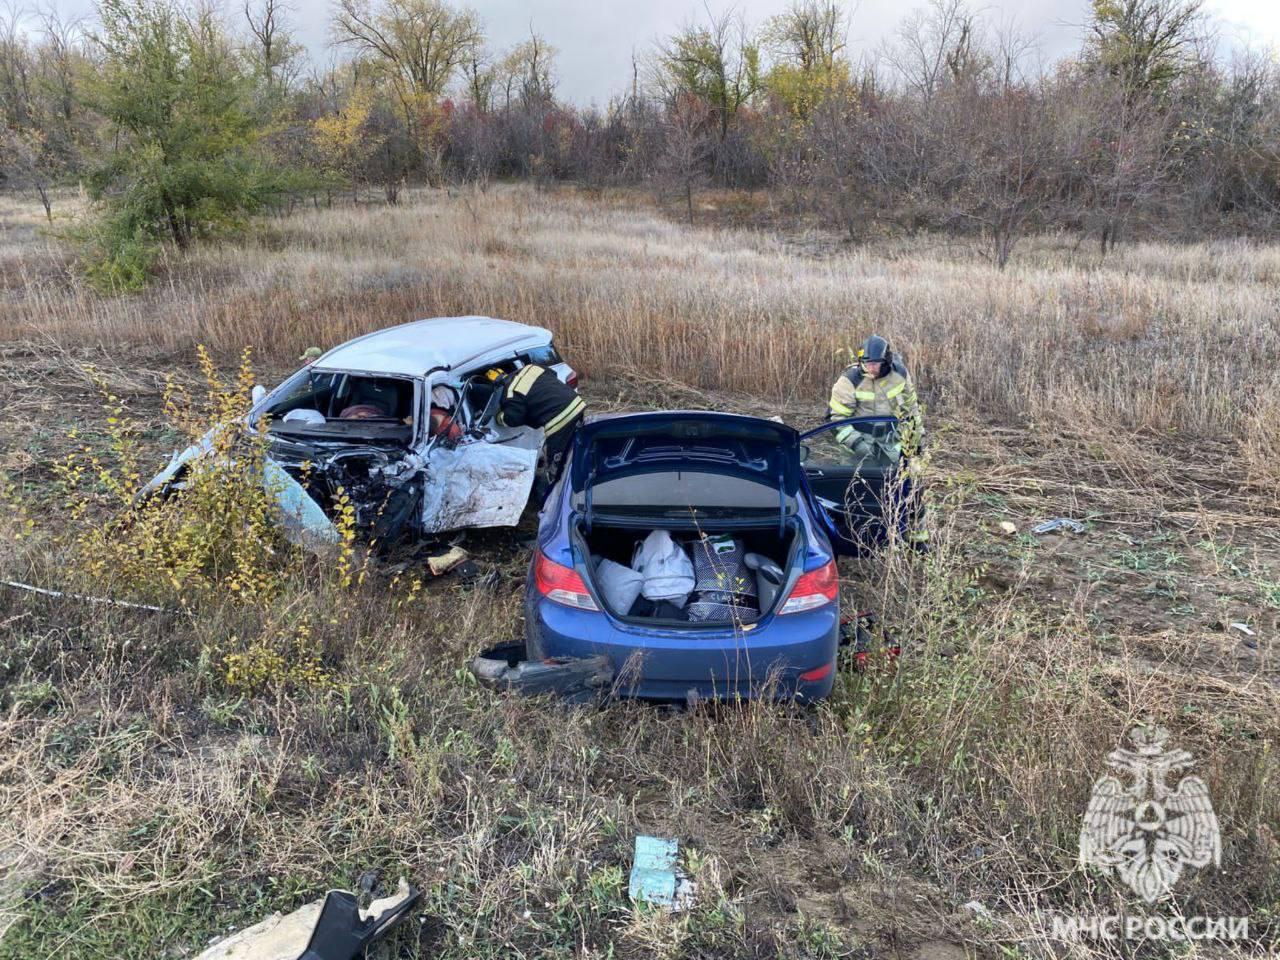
723 589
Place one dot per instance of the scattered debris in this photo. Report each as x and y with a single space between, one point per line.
14 584
656 878
1059 523
449 560
508 668
334 928
1243 628
977 909
1008 527
471 577
870 639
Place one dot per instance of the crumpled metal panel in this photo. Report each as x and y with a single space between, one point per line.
302 520
477 485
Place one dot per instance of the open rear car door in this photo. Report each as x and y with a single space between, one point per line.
857 496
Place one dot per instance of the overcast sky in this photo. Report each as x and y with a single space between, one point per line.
595 38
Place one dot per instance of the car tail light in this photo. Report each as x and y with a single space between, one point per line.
561 584
818 673
572 380
814 589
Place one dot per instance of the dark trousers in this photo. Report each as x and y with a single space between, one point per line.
555 451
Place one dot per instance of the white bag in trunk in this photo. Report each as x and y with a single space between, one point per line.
667 569
619 585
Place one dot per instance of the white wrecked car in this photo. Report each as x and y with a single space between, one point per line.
391 418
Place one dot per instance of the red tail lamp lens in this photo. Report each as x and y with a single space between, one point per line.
814 589
561 584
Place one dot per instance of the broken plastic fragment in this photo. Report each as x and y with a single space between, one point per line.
576 679
656 877
330 929
1243 628
444 562
1059 523
305 524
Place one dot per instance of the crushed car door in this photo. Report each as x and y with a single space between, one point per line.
482 479
854 479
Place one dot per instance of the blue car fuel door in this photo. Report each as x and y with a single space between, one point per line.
853 478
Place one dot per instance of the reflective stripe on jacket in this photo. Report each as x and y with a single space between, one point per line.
854 394
535 397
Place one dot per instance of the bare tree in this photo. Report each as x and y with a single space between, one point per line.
935 45
1013 171
26 161
16 69
833 158
687 145
1011 48
422 42
1143 44
718 63
62 56
275 56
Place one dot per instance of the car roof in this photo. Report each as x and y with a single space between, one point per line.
411 349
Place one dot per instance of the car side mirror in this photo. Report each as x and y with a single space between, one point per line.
257 393
804 452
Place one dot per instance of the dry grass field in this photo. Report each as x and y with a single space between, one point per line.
147 804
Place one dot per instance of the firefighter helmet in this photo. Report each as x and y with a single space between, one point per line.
875 348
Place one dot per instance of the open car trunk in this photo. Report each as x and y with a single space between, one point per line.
717 491
738 573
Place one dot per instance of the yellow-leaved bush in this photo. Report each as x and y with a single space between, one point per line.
213 536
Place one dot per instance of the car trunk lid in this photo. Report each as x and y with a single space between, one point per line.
765 451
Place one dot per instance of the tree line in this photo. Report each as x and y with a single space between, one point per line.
182 121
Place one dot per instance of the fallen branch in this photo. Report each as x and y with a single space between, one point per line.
80 596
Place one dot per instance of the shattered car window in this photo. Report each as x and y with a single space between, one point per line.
305 390
325 403
345 396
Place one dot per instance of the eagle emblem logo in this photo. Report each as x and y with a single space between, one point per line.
1141 829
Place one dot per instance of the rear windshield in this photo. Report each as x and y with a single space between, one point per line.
542 356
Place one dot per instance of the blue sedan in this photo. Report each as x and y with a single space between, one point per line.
759 512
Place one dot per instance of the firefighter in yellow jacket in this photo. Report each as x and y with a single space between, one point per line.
878 385
535 397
